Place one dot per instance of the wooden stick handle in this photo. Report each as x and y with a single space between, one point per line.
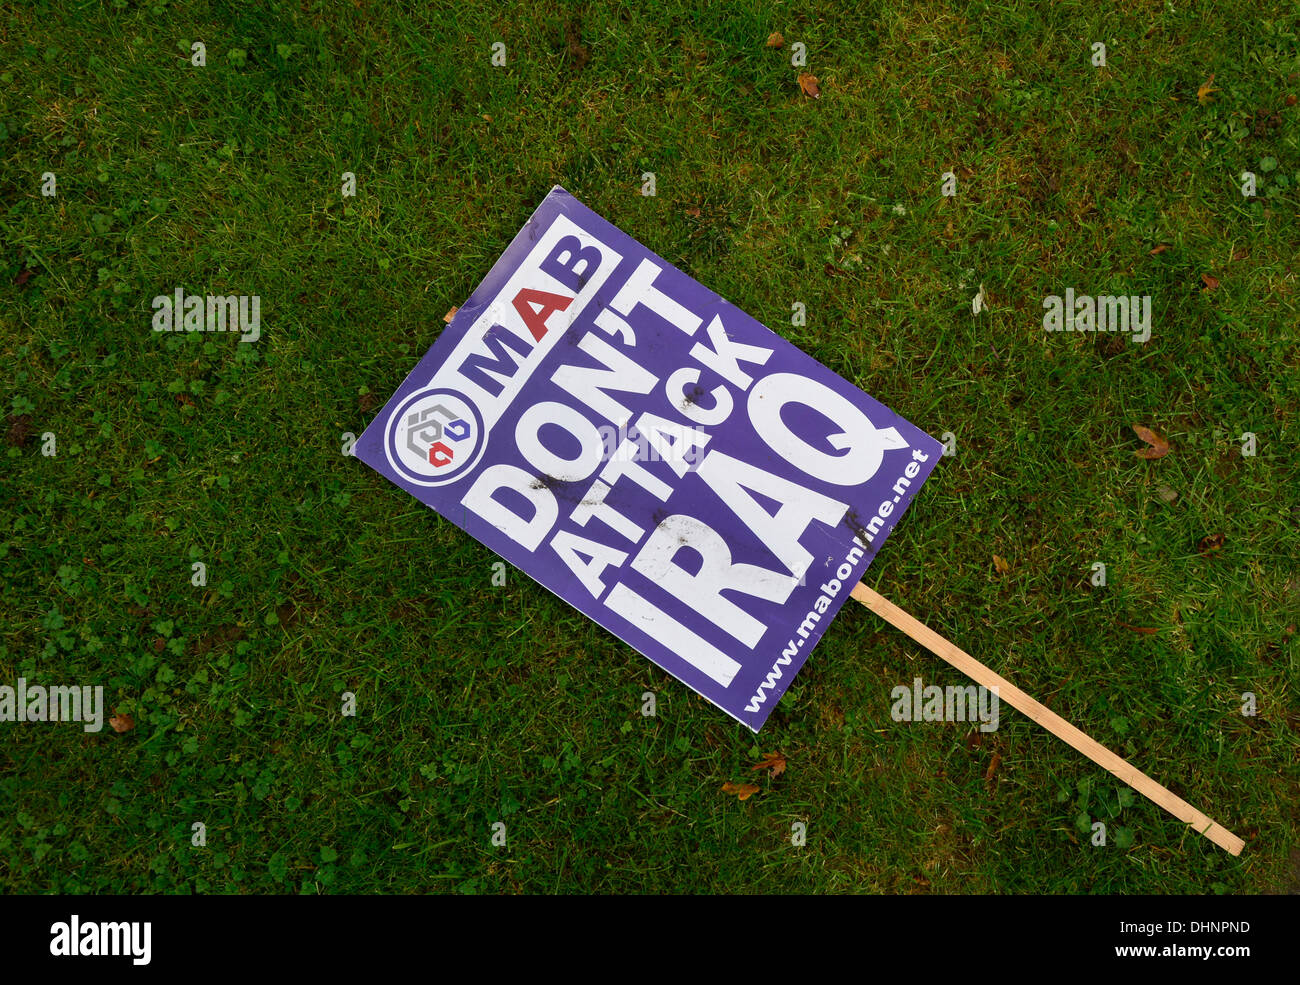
1047 718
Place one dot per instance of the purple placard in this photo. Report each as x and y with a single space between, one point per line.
687 478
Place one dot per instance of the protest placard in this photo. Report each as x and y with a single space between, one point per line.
686 477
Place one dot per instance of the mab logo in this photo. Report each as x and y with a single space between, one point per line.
435 436
425 427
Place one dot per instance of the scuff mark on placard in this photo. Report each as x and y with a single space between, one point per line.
854 523
692 397
563 489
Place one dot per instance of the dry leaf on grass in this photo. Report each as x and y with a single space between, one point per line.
122 723
450 314
1211 545
1210 281
808 84
773 761
1203 93
743 791
774 40
1159 444
1159 249
1144 630
1000 563
993 767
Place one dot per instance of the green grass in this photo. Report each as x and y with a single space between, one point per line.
479 704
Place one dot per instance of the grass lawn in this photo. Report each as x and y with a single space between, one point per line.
479 704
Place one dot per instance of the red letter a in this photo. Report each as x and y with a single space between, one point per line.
536 320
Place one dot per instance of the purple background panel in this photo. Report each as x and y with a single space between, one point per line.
712 539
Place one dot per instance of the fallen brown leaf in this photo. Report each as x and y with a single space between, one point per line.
808 83
450 314
24 276
1166 494
122 723
1210 281
774 40
773 761
1240 253
1001 565
1144 630
1203 93
693 213
1159 249
743 791
1211 545
993 766
1159 444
